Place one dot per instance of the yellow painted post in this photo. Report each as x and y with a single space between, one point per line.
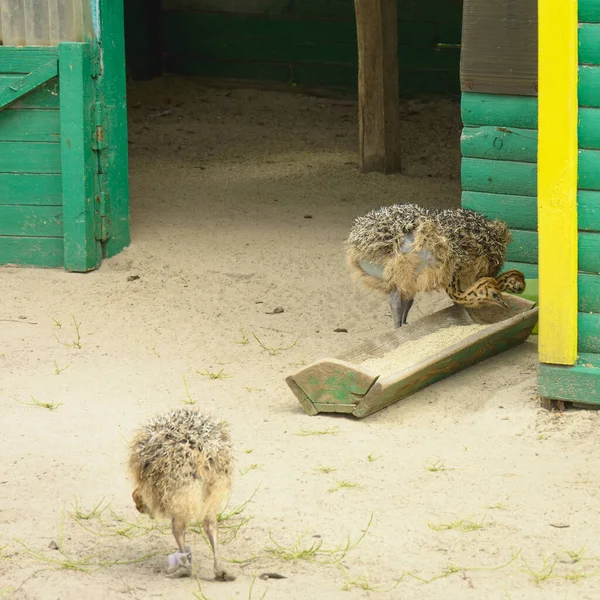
557 180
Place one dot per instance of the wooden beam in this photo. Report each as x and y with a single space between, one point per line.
111 91
27 83
557 181
82 252
579 383
378 88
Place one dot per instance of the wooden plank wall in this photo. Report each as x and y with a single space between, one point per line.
31 219
310 43
558 159
499 170
581 383
499 176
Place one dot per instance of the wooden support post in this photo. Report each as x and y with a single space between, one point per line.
378 89
82 251
111 91
557 181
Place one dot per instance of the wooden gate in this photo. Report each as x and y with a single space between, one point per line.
59 107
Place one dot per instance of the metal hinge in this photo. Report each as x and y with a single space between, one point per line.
98 142
96 66
102 220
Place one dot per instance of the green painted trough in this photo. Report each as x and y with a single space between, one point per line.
343 385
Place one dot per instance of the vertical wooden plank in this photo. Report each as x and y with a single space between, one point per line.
557 181
378 87
79 163
111 88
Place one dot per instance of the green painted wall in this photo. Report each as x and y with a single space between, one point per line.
499 179
304 42
47 165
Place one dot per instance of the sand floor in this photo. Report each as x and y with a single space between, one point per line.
471 490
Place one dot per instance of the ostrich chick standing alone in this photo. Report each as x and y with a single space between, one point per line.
405 249
182 466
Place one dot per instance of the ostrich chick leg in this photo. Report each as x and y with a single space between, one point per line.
180 563
400 307
211 530
407 304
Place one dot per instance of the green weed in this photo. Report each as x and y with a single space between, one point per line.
58 370
328 431
214 374
35 402
273 351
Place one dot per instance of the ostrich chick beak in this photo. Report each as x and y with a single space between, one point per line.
503 303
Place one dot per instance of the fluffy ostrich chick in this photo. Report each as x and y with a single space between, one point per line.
404 249
182 466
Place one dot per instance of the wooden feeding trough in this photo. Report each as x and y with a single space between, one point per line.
344 385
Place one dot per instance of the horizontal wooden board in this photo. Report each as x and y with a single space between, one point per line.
512 143
521 111
282 52
588 333
308 75
446 15
579 383
499 111
589 44
29 125
180 30
588 292
520 212
46 97
589 252
520 178
588 130
499 176
588 285
499 143
524 248
589 86
29 157
588 210
8 79
286 48
28 83
26 188
31 221
530 271
589 170
25 59
589 11
31 251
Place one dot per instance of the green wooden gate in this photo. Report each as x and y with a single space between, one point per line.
63 150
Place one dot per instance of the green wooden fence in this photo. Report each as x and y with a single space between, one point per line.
63 154
308 43
499 178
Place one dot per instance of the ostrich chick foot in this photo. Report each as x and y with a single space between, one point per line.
222 575
180 564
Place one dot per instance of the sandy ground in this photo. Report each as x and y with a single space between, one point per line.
472 490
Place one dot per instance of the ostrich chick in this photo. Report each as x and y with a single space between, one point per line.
512 281
402 250
182 466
